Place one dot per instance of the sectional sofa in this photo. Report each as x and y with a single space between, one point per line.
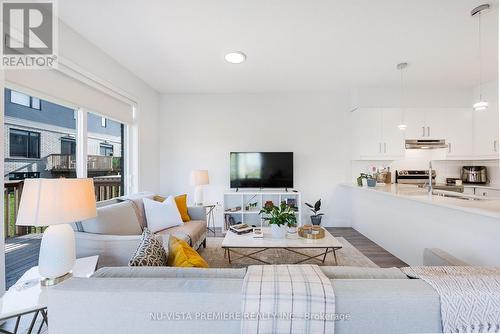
116 231
194 300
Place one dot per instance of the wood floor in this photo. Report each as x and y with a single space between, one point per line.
371 250
21 253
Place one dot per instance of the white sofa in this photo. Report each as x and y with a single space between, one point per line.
140 300
116 231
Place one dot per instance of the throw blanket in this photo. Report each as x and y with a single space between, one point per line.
470 296
287 299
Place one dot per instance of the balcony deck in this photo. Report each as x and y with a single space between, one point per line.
60 163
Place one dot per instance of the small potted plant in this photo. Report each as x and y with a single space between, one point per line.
316 217
279 217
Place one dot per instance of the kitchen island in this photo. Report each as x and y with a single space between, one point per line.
405 219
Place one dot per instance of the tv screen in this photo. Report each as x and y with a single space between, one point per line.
261 169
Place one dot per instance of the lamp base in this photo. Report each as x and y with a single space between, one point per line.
198 195
57 252
56 280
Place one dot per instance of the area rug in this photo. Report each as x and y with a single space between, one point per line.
348 255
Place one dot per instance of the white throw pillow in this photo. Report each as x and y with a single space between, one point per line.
160 215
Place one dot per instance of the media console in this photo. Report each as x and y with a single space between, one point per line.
244 205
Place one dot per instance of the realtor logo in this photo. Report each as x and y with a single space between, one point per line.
29 34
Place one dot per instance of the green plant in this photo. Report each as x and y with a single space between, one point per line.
279 215
315 208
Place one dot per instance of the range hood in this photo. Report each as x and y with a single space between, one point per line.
425 144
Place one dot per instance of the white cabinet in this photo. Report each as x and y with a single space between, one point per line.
376 135
452 124
487 192
486 127
469 190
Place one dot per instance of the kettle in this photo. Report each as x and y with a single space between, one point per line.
475 174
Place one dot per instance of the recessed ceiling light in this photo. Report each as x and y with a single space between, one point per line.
236 57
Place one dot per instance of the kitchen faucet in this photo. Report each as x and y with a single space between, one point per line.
428 184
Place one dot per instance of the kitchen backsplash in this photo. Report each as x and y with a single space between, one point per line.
443 169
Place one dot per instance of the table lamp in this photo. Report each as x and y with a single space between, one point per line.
199 178
56 203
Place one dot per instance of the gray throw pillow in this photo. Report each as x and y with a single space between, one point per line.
150 252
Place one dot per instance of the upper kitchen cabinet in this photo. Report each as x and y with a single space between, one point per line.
487 126
376 135
452 124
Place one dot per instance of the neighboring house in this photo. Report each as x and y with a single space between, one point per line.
40 140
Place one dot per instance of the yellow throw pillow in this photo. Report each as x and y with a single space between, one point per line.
182 255
181 202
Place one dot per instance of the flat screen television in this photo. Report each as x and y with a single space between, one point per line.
261 169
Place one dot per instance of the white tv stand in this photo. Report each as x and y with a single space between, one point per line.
242 198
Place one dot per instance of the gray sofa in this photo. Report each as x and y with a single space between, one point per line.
141 300
116 231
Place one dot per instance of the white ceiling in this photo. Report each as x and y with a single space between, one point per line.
178 46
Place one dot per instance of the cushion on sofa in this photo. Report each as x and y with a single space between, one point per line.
114 219
345 272
162 215
137 202
150 252
193 230
182 255
181 202
170 272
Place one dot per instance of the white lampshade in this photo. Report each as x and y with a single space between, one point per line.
47 202
199 177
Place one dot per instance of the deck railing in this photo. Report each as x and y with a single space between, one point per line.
104 187
95 163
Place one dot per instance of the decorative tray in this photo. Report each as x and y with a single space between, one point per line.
311 232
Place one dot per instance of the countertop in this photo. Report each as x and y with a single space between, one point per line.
473 204
483 186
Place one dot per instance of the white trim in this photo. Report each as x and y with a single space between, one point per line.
131 163
81 143
73 70
2 167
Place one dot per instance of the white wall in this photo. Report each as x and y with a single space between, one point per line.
77 49
199 131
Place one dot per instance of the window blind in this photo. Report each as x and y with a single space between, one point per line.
53 83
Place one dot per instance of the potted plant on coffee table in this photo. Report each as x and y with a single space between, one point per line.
279 217
316 217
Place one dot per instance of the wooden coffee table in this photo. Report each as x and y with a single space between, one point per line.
292 243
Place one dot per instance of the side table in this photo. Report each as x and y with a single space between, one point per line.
27 296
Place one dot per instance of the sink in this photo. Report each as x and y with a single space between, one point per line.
457 195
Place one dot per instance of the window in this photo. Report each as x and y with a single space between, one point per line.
68 146
35 103
105 138
25 144
25 100
20 98
106 149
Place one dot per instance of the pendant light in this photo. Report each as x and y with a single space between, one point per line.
402 125
478 11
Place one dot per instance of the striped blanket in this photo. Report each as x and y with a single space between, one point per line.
287 299
470 296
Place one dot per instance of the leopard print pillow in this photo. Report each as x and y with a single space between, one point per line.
150 252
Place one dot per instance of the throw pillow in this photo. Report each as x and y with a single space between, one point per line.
150 252
181 202
182 255
163 215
